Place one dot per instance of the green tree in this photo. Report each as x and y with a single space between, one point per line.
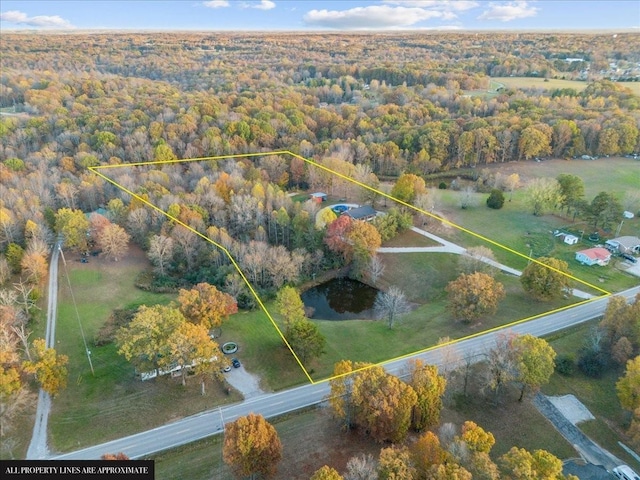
571 189
546 279
48 367
495 199
604 210
474 295
14 256
305 339
251 447
429 388
535 362
74 226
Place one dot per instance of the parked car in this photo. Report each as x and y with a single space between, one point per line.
624 472
629 258
227 368
235 362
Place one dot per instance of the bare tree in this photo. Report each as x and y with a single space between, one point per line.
376 269
477 259
391 304
160 252
362 467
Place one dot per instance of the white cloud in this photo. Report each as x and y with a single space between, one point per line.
505 12
216 3
39 21
452 5
372 17
262 5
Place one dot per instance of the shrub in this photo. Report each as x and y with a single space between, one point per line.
592 363
496 199
565 365
442 186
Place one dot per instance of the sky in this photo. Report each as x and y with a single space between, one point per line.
311 15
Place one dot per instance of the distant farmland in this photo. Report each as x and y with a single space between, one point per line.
537 82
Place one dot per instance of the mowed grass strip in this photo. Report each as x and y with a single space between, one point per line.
554 83
112 403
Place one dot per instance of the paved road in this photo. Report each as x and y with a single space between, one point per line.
38 446
269 405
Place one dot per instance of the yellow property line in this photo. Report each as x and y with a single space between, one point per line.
368 187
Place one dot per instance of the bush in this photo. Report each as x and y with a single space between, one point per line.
565 365
592 363
442 186
496 199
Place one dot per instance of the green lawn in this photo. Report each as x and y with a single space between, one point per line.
113 402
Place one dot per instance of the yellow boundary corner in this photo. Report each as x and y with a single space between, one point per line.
96 171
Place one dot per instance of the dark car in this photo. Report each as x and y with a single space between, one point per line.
235 362
629 258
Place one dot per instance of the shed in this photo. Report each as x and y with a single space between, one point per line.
570 239
365 212
318 197
594 256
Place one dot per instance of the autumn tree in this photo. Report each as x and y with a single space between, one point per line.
620 324
628 387
544 194
520 464
290 306
336 237
429 388
326 473
191 347
408 187
395 463
204 304
113 240
48 367
341 384
474 295
251 447
145 342
535 360
114 456
364 240
546 278
476 438
382 404
74 226
391 305
34 267
426 452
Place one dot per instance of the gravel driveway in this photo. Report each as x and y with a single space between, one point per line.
246 383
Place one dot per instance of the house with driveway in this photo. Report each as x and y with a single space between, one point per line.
626 244
594 256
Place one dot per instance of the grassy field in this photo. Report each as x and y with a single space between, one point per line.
598 395
112 401
552 83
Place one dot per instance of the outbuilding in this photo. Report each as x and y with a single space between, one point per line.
365 212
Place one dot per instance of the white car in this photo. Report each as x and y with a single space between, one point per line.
624 472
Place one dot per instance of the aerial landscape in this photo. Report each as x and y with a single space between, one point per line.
393 239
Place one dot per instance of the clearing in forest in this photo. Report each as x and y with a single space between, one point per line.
101 171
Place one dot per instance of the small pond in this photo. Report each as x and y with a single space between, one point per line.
341 299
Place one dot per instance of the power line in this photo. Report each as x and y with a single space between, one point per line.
75 306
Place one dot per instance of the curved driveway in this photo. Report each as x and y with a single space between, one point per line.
211 422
